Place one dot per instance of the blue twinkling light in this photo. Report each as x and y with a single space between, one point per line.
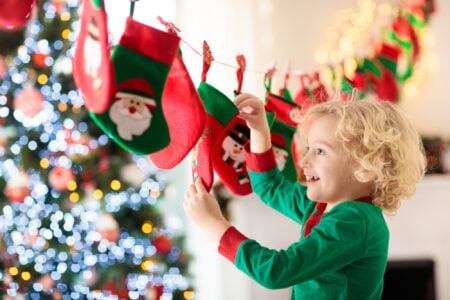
3 100
46 90
103 140
32 145
49 61
75 268
58 45
4 112
55 275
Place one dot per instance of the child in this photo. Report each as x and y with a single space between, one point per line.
362 158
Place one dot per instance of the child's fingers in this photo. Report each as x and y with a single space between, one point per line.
246 102
241 98
191 190
200 188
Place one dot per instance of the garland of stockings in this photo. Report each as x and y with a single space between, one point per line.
143 97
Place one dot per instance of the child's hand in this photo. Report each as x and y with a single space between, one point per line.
252 111
203 209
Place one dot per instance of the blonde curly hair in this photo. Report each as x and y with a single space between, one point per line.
382 141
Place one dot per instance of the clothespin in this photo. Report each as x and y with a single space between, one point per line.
287 74
207 60
240 71
305 80
269 75
171 28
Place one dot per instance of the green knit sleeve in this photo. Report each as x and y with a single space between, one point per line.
285 196
336 242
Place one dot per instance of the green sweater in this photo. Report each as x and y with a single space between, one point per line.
344 257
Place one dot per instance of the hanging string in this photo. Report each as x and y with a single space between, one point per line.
174 29
215 61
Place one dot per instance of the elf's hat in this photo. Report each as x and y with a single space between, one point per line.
240 133
140 89
278 140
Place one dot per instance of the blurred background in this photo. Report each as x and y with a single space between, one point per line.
161 254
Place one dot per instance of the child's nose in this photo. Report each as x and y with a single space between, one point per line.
304 160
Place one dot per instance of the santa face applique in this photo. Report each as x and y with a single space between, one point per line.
281 157
93 53
132 114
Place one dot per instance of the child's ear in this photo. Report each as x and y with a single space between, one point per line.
365 175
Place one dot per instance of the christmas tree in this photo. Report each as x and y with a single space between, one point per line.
79 216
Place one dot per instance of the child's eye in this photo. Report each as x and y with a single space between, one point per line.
320 151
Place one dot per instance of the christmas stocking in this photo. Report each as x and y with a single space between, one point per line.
286 94
358 81
388 55
14 14
284 91
281 107
92 66
185 115
405 36
142 60
220 111
228 156
281 137
382 81
303 97
312 92
318 91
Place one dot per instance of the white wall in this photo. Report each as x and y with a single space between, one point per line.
281 30
421 229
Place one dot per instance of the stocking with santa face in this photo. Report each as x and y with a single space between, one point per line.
220 111
142 61
92 66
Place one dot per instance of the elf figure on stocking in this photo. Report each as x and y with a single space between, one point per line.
233 150
132 112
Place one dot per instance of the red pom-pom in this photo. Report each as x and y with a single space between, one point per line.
118 289
39 59
59 177
162 244
29 101
108 228
17 188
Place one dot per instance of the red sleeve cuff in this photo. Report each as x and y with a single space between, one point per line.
259 162
229 243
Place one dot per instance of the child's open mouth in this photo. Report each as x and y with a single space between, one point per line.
311 178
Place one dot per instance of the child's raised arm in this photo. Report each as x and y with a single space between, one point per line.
252 111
